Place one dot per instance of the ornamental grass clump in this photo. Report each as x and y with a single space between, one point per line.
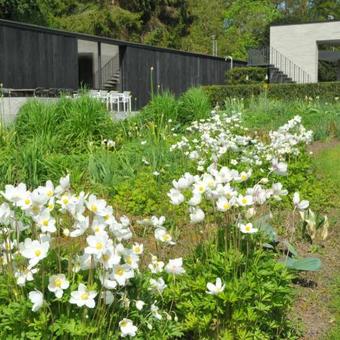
68 258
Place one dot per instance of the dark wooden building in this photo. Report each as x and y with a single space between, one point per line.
33 56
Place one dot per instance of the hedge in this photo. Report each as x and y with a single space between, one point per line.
246 75
325 91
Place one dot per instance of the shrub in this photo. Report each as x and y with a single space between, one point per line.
326 91
73 123
246 75
193 105
160 109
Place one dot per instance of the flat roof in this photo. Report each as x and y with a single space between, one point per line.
306 23
90 37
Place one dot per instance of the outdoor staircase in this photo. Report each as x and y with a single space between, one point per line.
112 84
110 75
280 69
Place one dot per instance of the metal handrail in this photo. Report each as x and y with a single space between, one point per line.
108 70
269 55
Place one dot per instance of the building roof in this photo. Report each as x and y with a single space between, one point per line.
306 23
25 26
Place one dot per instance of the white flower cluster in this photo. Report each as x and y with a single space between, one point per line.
286 139
97 238
223 188
224 136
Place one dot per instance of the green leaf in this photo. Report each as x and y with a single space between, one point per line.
304 264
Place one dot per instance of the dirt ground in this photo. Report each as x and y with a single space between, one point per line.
314 292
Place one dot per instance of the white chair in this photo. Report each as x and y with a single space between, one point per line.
113 100
126 100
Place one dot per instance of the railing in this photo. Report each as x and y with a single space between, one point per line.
269 55
107 71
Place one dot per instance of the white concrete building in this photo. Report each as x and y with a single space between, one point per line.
294 48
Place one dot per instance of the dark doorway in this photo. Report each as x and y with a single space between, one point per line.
85 63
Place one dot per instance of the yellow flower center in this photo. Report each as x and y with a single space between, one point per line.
94 208
99 245
243 177
248 227
37 253
58 282
84 296
51 206
106 217
65 200
226 206
137 250
35 209
166 237
128 260
105 257
27 201
119 271
123 323
201 188
49 193
244 200
45 223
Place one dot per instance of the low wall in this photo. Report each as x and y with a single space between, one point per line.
10 106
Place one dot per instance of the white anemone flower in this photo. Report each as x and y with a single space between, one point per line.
157 222
83 297
161 234
301 205
246 200
247 228
15 194
34 250
57 284
97 206
127 328
175 266
97 245
223 204
24 276
157 285
46 222
156 266
140 304
196 215
37 298
215 289
108 297
138 248
279 168
122 273
176 197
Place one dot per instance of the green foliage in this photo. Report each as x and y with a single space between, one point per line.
254 304
75 122
193 105
327 71
326 91
248 23
246 75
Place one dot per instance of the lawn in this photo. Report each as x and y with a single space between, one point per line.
176 223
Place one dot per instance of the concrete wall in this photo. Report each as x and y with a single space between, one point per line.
10 106
299 43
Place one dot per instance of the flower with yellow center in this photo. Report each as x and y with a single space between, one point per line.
83 297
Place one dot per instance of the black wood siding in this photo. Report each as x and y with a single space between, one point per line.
30 59
173 71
